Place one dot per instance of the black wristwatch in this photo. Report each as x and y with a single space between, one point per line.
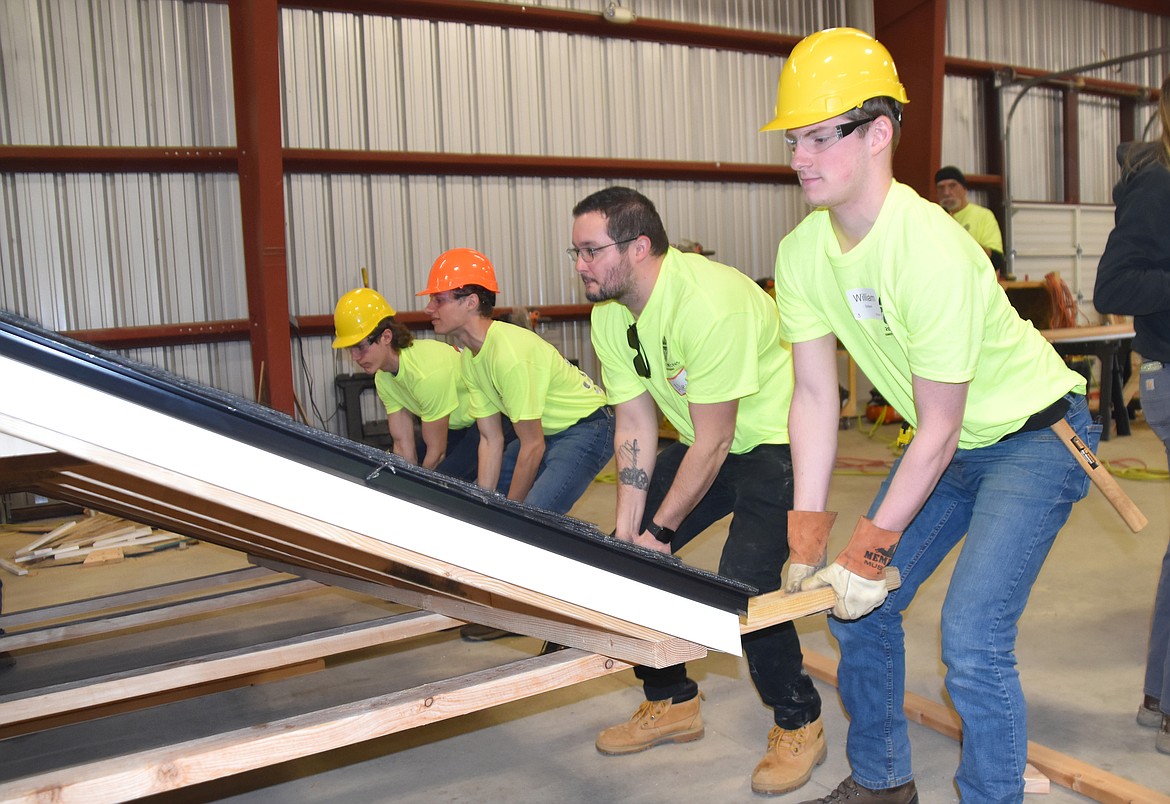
660 533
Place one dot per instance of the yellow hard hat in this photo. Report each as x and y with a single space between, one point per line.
357 314
458 268
830 72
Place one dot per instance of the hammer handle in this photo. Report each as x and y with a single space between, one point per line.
1101 477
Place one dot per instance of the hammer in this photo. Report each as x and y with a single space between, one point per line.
1101 477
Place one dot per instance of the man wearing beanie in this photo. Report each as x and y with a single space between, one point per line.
979 221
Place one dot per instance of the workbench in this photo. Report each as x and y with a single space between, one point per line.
1108 344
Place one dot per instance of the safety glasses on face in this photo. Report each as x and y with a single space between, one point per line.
442 298
589 254
359 348
822 139
640 365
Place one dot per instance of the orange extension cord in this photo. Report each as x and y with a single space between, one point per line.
1064 303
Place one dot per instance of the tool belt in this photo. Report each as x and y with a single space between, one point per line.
1043 418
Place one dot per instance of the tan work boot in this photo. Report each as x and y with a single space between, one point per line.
791 756
654 723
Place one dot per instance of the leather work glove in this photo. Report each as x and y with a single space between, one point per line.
858 576
808 535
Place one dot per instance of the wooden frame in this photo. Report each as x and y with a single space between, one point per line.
197 760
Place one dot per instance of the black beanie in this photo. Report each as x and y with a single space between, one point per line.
950 172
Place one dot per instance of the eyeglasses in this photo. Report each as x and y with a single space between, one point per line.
361 346
448 296
822 139
589 254
640 365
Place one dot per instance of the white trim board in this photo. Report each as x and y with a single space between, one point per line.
65 415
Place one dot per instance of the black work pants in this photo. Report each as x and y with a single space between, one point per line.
756 489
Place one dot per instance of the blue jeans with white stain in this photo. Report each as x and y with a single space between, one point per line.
572 458
1010 500
1155 391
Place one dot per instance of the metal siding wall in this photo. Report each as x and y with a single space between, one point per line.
962 143
1037 150
1098 132
405 84
797 17
474 89
90 251
1050 35
111 250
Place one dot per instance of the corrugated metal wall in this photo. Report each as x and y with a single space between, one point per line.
796 17
401 84
121 250
1049 35
116 250
88 251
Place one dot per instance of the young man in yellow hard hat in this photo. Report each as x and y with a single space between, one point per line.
699 341
564 428
911 296
414 379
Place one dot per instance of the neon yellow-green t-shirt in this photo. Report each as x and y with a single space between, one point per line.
914 297
429 384
980 222
710 334
523 376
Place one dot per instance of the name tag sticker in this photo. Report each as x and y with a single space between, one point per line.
864 304
679 382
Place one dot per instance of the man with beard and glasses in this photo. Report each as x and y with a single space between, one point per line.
699 341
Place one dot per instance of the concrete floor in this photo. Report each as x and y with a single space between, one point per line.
1081 653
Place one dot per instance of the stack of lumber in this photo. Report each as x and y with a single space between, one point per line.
94 538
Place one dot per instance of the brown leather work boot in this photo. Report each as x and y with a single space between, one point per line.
791 756
654 723
853 793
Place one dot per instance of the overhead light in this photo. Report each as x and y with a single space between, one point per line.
617 13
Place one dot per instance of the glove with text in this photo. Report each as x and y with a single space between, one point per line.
858 575
808 535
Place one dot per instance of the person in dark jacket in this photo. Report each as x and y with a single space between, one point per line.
1133 278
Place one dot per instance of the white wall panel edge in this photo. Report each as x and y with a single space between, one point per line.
45 400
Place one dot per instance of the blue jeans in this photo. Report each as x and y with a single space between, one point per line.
572 458
1155 391
1010 499
462 458
756 489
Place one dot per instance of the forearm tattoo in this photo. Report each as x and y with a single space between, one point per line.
629 473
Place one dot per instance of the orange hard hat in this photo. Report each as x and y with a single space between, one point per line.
459 267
